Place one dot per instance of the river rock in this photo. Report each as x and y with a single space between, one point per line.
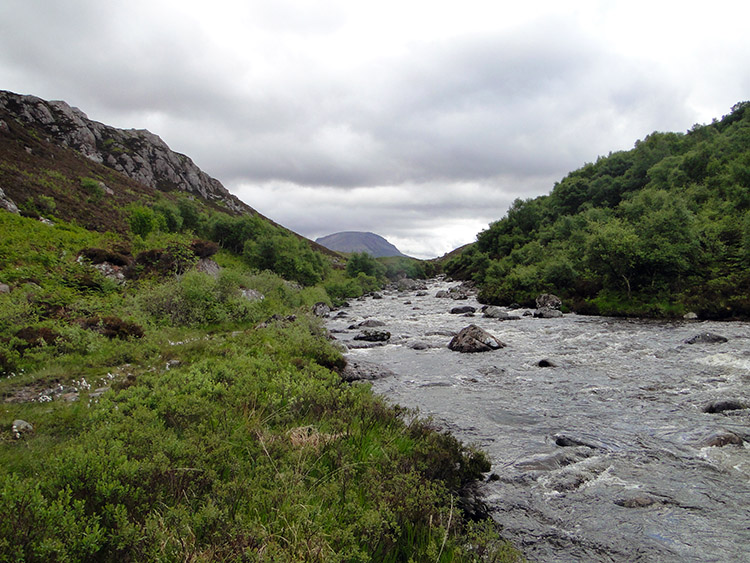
556 460
723 405
474 339
641 501
442 294
546 364
721 439
547 313
691 316
368 323
360 370
706 338
419 345
369 335
463 309
493 312
548 301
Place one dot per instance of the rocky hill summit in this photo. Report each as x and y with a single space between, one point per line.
136 153
356 241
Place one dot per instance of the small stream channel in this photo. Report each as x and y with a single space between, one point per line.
605 455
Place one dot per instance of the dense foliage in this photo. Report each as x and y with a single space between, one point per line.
659 230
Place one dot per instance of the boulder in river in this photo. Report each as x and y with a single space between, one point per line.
706 338
548 301
493 312
370 335
547 313
474 339
369 323
463 309
722 405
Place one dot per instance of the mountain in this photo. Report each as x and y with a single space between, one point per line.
136 153
130 166
356 241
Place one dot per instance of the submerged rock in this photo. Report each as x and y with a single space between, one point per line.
364 371
474 339
724 405
721 439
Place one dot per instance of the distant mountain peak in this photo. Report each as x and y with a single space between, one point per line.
357 241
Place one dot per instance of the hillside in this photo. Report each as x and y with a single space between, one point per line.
355 241
660 230
169 393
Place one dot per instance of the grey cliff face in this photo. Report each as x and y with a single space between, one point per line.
139 154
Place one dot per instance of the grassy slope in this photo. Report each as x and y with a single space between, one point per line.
209 434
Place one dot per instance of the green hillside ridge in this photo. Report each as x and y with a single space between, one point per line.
657 231
185 402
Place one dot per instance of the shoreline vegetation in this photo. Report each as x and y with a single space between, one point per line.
178 414
659 231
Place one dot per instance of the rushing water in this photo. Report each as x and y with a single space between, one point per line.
642 485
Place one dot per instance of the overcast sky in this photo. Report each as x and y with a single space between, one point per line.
417 120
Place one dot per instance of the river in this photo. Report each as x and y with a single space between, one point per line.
603 455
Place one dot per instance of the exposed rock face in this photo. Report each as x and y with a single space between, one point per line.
139 154
474 339
7 203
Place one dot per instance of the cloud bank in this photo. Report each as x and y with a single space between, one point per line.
419 121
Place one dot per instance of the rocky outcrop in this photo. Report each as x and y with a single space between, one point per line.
7 203
474 339
136 153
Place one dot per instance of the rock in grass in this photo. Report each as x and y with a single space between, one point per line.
21 427
474 339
